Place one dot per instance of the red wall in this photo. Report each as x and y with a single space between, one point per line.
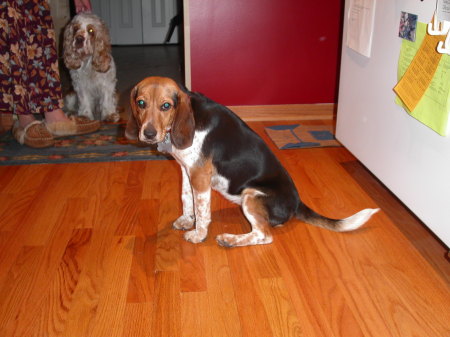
258 52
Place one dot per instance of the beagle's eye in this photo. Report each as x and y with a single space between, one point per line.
166 106
141 104
91 31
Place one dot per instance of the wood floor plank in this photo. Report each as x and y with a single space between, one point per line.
22 179
17 286
43 213
132 196
36 287
350 283
87 181
196 313
8 173
85 215
167 305
192 268
53 315
154 170
283 319
6 204
249 300
24 209
429 246
142 276
138 319
246 267
14 228
306 275
168 240
110 317
87 295
348 259
141 285
361 291
405 274
221 294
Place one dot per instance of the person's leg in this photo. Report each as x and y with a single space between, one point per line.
43 69
56 115
13 95
40 79
24 70
24 120
33 76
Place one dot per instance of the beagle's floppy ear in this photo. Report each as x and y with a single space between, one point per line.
132 130
183 125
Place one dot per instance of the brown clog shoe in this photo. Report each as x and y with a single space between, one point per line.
74 126
34 134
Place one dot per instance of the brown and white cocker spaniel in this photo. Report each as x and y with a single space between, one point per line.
87 54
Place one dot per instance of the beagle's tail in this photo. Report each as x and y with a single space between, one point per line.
306 214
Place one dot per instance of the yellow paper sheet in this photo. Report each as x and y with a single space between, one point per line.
433 107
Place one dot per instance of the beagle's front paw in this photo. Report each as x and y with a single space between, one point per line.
195 236
184 222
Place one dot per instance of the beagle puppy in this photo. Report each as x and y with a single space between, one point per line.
217 150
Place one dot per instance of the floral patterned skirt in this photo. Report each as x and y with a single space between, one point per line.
29 73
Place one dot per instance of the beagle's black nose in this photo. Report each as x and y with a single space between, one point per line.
150 132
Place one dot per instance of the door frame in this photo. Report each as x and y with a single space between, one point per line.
187 45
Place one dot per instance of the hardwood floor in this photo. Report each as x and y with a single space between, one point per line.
88 250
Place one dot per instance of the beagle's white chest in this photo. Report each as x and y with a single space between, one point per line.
191 155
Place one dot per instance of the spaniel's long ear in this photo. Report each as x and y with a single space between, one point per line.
132 129
183 125
71 59
101 60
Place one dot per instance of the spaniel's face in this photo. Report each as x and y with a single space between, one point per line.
85 36
84 33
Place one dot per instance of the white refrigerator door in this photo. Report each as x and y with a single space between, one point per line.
412 160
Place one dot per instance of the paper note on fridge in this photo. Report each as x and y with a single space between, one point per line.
361 17
443 10
424 86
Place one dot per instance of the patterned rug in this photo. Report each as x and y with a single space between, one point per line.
296 136
107 144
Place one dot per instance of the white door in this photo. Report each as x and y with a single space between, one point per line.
137 21
156 16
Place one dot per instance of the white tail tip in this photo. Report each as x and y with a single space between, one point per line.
357 220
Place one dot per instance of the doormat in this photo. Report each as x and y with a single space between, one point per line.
297 136
107 144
